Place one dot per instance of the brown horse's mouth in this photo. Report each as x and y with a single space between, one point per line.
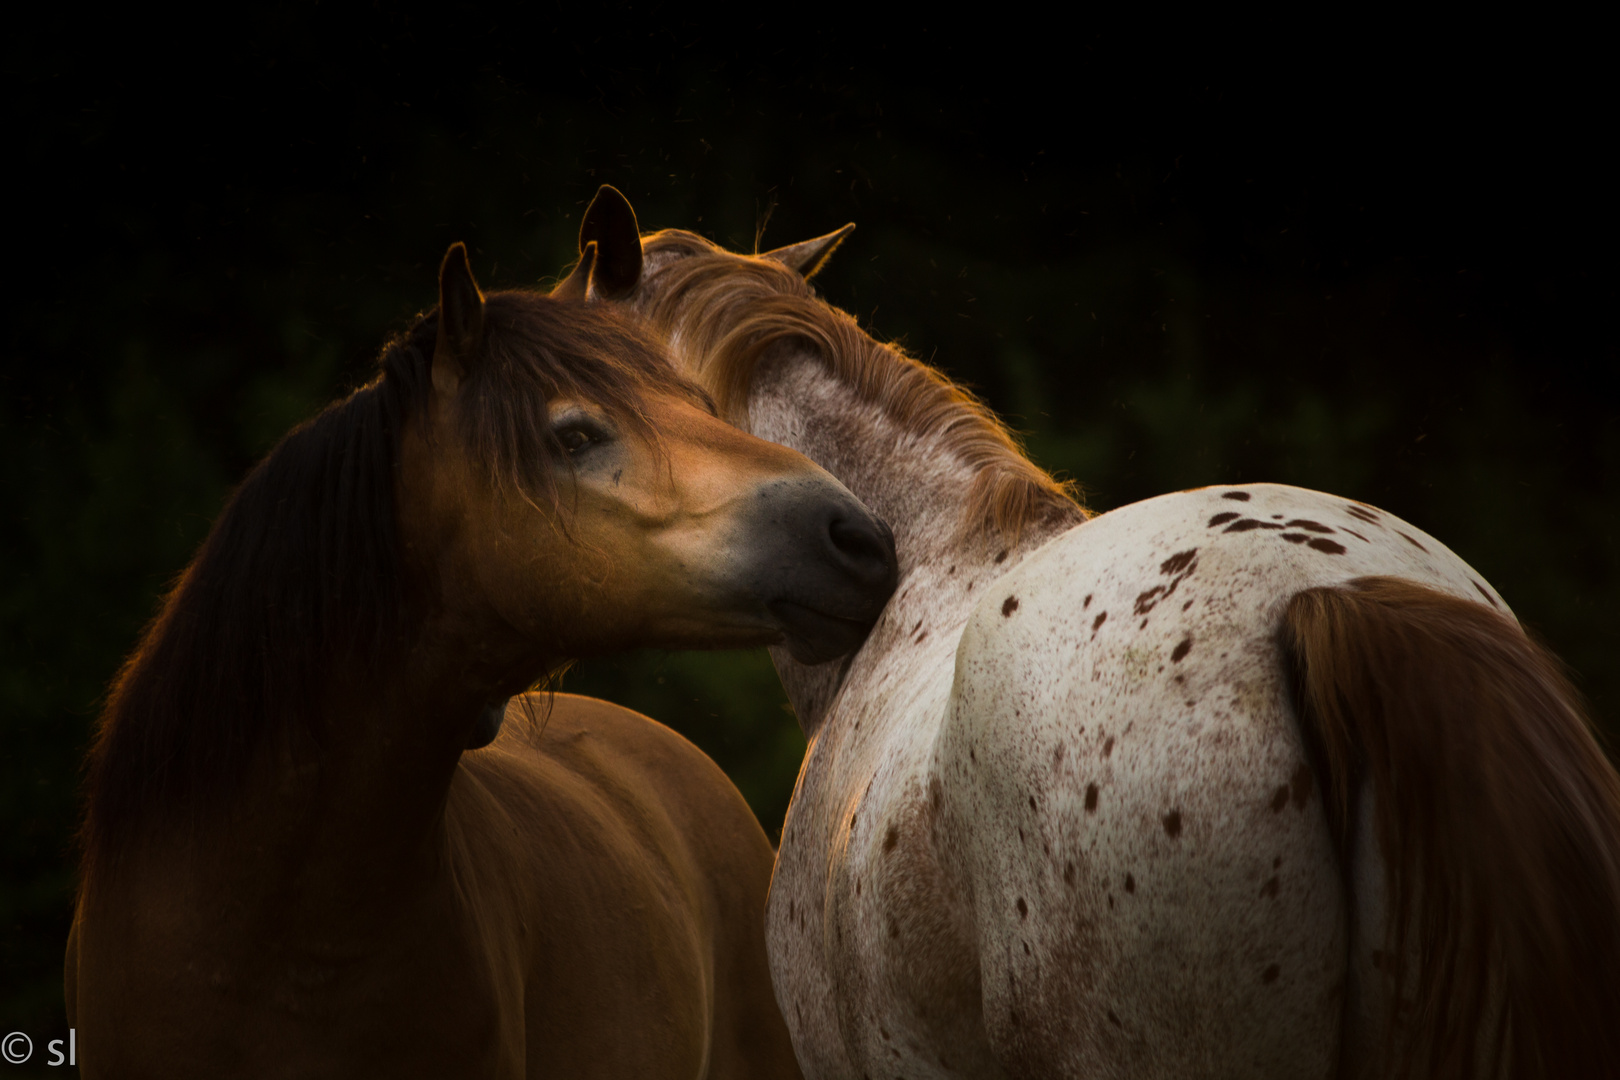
815 637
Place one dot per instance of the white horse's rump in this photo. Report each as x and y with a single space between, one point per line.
1152 877
1058 817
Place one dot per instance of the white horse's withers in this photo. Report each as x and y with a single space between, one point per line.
1131 797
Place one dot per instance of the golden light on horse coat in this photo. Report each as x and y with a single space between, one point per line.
290 865
1063 814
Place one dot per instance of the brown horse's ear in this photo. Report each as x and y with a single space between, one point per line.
574 286
808 256
611 225
461 321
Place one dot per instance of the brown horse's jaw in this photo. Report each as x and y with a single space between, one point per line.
815 637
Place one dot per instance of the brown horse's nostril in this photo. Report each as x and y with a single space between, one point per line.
865 548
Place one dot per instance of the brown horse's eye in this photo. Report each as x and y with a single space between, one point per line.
577 433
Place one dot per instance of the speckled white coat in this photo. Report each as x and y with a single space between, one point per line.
1055 819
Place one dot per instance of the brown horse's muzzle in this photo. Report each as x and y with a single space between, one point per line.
822 564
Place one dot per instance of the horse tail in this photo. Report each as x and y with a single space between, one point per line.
1497 816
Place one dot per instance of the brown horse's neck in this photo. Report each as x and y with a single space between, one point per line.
293 717
918 484
324 839
363 814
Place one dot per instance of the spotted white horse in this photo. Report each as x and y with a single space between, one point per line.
1242 781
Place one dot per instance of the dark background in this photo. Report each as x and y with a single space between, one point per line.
1375 260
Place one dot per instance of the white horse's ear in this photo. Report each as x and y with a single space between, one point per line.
574 286
808 256
610 224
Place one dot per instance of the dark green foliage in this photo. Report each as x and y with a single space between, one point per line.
1399 299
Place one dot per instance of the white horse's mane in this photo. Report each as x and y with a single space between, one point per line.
724 312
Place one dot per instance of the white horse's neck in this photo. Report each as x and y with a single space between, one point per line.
917 484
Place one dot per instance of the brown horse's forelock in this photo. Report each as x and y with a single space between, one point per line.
300 575
726 311
538 350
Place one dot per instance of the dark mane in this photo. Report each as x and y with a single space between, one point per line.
300 576
725 311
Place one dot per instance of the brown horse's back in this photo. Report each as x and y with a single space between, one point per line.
637 876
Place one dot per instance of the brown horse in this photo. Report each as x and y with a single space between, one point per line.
1248 781
291 867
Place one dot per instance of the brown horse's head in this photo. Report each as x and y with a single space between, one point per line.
571 486
528 481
